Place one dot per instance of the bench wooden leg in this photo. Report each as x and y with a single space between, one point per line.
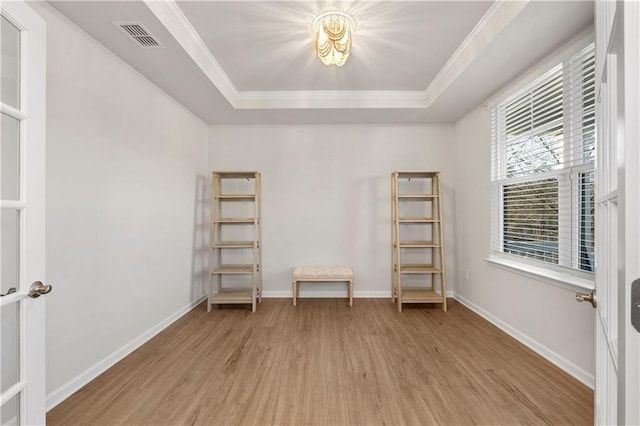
351 293
295 291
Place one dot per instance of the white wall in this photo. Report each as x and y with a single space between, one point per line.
326 194
127 176
546 315
126 219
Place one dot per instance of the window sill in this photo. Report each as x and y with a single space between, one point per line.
558 279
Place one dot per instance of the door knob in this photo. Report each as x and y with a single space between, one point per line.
587 297
37 289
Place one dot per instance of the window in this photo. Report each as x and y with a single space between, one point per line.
543 154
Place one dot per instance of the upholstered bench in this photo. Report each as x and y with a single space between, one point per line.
322 274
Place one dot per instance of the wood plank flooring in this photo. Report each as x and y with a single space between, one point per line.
323 363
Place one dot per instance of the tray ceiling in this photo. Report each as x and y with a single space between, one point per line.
251 62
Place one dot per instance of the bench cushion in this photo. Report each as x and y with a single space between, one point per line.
323 272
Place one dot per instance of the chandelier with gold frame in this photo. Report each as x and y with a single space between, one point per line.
333 32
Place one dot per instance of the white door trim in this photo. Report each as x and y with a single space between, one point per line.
31 204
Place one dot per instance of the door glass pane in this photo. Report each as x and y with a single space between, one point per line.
10 87
586 190
10 248
10 158
10 349
10 411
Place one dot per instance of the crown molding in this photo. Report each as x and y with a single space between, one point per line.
491 24
486 30
170 15
326 99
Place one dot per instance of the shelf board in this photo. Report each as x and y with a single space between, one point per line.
232 295
418 175
418 244
237 175
236 197
416 197
420 295
417 220
233 269
419 269
233 244
234 220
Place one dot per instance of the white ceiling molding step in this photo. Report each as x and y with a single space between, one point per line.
486 30
327 99
492 23
170 15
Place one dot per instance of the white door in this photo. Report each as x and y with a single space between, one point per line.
617 400
22 198
630 405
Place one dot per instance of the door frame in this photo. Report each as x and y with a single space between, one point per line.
629 404
617 396
31 204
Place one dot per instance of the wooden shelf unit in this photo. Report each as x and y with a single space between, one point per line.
226 192
427 275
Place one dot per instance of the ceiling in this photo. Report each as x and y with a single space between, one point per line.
253 62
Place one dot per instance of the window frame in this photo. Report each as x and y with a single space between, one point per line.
567 272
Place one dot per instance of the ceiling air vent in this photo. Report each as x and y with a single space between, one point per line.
139 34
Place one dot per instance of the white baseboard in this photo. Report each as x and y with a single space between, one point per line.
563 363
372 294
276 294
332 294
73 385
320 294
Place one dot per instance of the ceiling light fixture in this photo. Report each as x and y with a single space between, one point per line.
333 37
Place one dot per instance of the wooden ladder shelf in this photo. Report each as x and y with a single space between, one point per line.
236 257
417 249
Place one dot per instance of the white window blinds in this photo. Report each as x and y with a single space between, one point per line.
543 152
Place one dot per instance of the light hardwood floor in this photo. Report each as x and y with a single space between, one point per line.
323 363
